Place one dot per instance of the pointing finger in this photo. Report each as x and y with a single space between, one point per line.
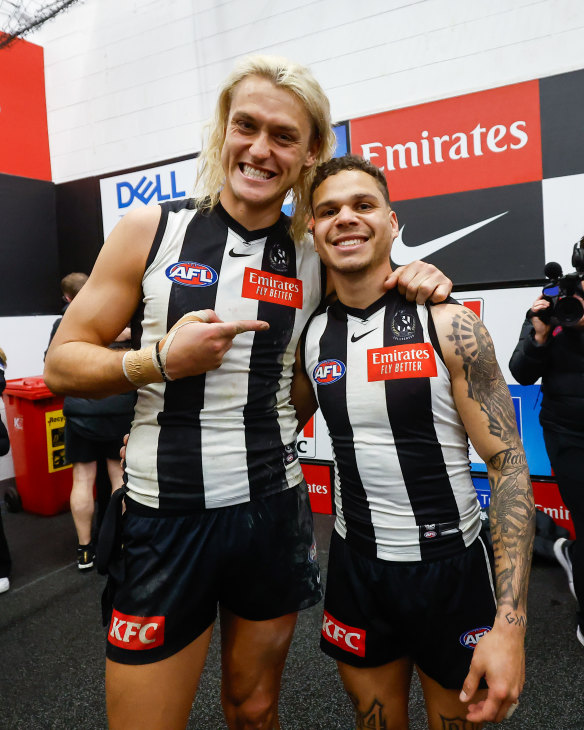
248 325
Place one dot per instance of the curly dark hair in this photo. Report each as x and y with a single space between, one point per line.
349 162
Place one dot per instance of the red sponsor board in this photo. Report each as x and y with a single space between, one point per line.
268 287
24 138
401 361
481 140
348 638
319 480
136 632
547 498
475 305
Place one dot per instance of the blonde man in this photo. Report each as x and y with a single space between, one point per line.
219 289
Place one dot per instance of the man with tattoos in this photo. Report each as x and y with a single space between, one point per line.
400 386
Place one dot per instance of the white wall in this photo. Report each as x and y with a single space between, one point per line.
24 340
132 81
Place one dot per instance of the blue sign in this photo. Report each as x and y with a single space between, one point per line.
526 403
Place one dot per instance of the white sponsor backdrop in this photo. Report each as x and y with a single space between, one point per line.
563 219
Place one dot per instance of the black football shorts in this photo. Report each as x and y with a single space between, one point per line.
257 559
434 612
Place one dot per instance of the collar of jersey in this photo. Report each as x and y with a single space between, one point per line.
341 311
250 236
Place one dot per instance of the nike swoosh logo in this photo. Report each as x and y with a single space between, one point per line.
356 338
402 254
238 255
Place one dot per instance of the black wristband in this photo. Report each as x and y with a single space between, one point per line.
159 361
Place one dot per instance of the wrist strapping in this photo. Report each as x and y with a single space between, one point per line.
140 366
148 365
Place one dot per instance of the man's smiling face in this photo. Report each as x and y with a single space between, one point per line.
354 226
268 143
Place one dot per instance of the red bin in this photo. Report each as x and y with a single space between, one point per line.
36 427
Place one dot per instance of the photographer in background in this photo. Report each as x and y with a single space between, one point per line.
551 347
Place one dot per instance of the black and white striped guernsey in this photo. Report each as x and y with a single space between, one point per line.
227 436
403 490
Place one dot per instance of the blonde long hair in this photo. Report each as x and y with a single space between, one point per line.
300 82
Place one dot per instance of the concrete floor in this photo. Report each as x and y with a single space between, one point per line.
52 648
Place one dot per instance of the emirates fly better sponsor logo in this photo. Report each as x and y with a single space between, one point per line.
480 140
267 287
401 361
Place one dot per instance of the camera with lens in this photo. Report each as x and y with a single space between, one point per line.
565 309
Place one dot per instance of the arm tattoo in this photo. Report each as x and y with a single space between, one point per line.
485 385
512 511
458 723
372 719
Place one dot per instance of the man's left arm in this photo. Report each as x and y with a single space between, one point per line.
485 407
421 282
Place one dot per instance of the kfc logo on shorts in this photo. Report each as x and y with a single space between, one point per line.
136 632
190 273
328 371
470 638
347 638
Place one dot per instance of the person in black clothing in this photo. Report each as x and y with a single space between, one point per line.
5 562
556 355
94 432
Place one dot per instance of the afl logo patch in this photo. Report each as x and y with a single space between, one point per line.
328 371
403 325
471 638
190 273
279 258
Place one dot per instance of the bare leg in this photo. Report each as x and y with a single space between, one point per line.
443 707
159 695
253 654
380 694
81 500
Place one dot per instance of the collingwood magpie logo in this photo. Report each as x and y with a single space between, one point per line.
403 325
279 258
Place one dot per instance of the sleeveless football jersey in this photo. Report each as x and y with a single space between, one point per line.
228 435
403 489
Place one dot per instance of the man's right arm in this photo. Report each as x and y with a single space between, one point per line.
78 360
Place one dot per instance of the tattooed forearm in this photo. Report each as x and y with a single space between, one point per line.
512 515
473 345
512 512
372 719
517 619
458 723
